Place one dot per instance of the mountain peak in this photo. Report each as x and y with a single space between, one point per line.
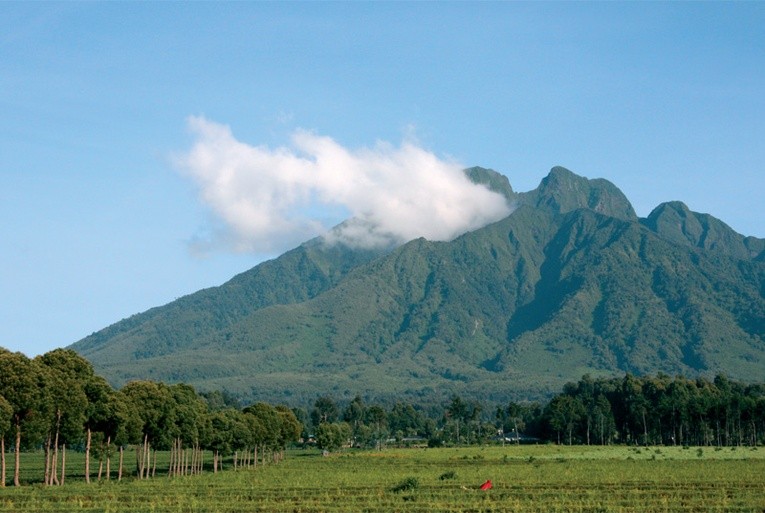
676 222
494 181
562 191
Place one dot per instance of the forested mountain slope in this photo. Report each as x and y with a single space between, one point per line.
571 282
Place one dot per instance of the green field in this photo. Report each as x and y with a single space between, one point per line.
526 478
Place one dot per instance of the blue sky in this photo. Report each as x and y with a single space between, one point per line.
98 102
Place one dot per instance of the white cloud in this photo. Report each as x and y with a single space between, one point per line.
271 199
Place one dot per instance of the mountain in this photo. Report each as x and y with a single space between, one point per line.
572 282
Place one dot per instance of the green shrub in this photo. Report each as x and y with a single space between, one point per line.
408 484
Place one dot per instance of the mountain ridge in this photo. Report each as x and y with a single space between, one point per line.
572 282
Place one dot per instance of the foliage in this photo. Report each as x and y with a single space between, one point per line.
407 485
57 401
332 436
657 410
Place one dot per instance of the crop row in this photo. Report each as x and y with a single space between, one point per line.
436 480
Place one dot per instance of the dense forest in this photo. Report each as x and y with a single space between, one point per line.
56 402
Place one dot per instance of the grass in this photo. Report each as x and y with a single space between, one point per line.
525 479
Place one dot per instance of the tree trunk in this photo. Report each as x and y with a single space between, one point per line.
100 468
171 466
18 452
154 468
87 456
47 479
145 461
139 459
2 461
138 468
119 473
54 470
63 464
108 457
181 457
54 463
645 430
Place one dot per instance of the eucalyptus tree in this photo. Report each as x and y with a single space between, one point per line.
353 414
6 412
156 408
220 439
271 422
116 424
257 434
512 415
289 428
324 410
98 413
403 418
564 412
330 436
67 372
23 384
377 419
242 437
458 412
190 413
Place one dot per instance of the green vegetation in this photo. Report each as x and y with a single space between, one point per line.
165 448
571 283
56 401
525 479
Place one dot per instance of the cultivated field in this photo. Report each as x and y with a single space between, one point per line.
525 479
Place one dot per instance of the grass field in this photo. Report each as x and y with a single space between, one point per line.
525 479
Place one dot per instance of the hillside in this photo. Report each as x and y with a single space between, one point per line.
571 282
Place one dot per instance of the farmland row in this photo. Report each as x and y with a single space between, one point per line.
441 480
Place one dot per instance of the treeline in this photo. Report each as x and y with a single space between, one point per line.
658 410
56 401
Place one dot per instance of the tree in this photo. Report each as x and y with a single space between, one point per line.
221 439
332 436
514 416
271 423
377 420
324 410
635 408
257 433
290 427
404 418
190 412
6 412
24 386
603 419
354 415
563 413
155 405
457 411
121 426
67 372
97 413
